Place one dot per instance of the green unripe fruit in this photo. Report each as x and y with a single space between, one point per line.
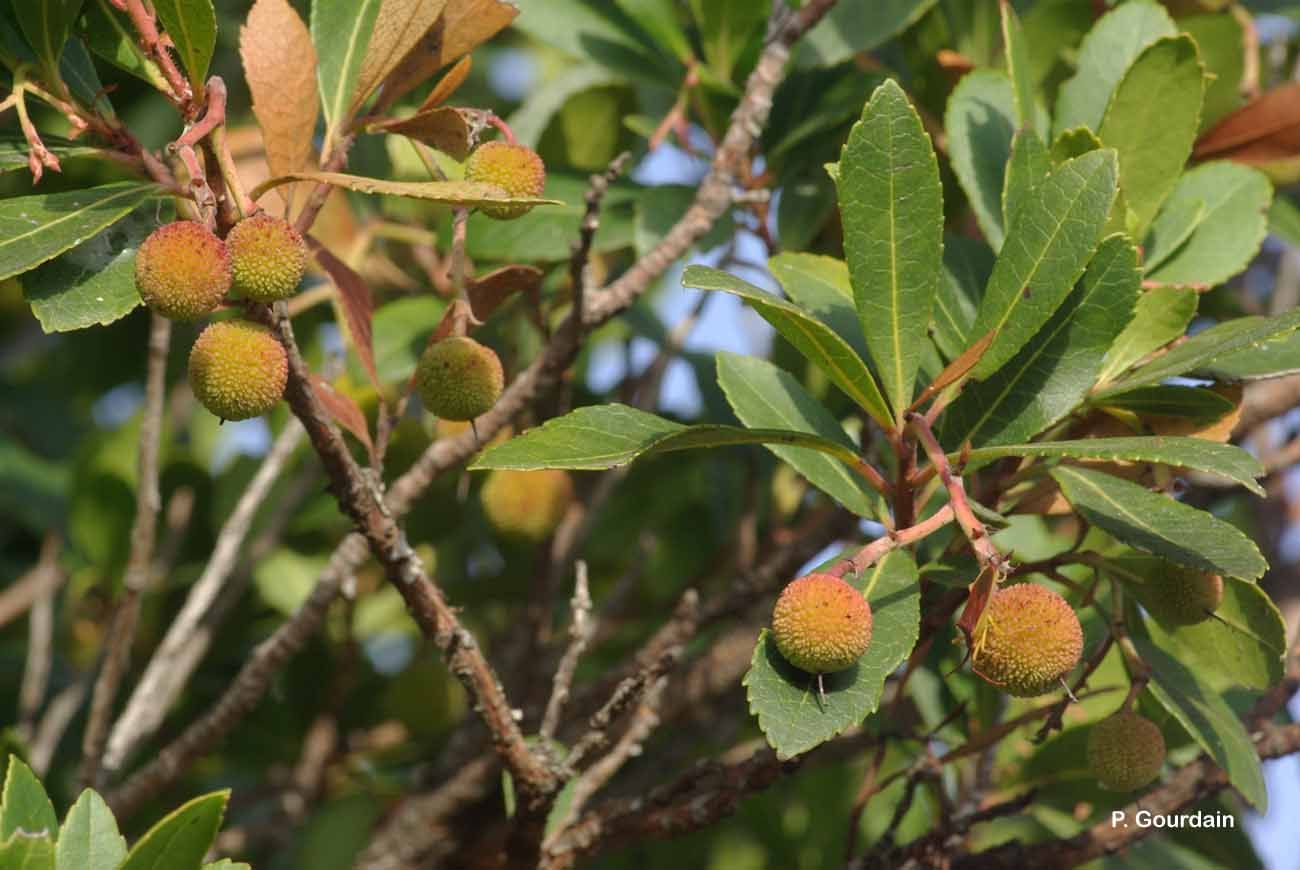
517 170
1182 596
182 271
1125 751
238 369
267 258
821 624
459 379
526 505
1027 640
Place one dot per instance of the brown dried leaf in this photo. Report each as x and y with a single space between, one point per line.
464 24
467 194
344 411
398 29
448 84
487 293
357 305
280 66
445 129
1264 130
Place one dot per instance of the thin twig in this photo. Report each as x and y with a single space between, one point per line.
580 631
121 632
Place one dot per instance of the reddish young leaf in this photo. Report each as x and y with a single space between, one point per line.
488 292
1262 131
280 66
955 370
344 411
356 302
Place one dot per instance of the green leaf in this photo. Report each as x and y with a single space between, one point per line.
967 264
766 397
1271 358
1193 403
192 25
78 72
1161 316
227 864
14 149
1242 644
340 31
110 35
1028 166
1114 42
25 852
47 24
1072 143
181 838
24 806
980 123
93 284
1170 231
1053 373
34 229
820 286
1229 233
591 30
1284 220
892 207
401 331
1049 243
548 99
810 337
605 436
1155 523
1206 347
1206 716
89 839
855 26
1018 67
1200 454
1166 81
785 699
1222 43
658 18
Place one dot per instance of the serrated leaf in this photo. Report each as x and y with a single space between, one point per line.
980 123
1204 348
463 26
181 838
468 194
1114 42
854 26
1161 316
785 699
1072 143
820 286
25 852
1206 716
14 150
1055 370
1028 166
1283 220
607 436
1169 232
340 31
1225 460
35 229
764 396
891 204
1242 644
1049 243
94 283
1167 80
1229 232
967 264
1192 403
89 839
816 341
1018 67
24 806
398 28
46 24
192 25
78 72
1272 358
1157 524
109 34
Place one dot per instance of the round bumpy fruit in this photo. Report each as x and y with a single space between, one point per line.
1182 596
526 505
517 170
238 369
1027 639
267 258
459 379
821 624
1125 751
182 271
